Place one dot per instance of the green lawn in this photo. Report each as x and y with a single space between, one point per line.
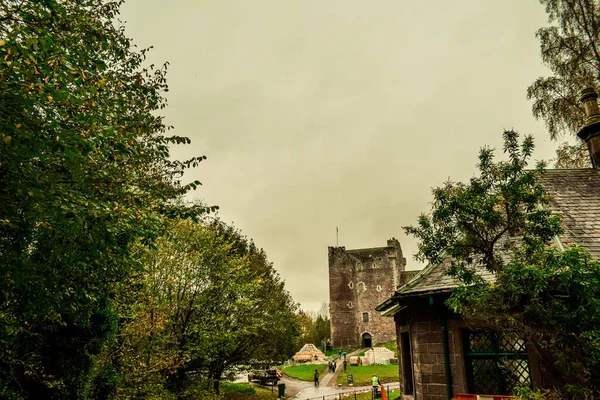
362 374
305 372
237 388
335 352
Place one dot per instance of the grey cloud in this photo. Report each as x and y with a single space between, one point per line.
322 113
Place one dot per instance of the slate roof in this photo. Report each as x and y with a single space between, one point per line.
575 194
433 278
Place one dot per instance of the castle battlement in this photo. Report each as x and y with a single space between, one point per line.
359 280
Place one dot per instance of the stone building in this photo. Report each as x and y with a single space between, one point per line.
359 280
439 354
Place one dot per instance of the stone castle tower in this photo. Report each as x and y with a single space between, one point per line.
359 280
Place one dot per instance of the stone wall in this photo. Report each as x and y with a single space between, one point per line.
423 324
359 280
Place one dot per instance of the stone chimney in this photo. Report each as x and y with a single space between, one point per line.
590 133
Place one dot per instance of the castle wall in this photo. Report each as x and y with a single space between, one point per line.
359 280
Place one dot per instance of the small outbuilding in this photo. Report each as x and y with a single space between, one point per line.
439 354
309 353
377 355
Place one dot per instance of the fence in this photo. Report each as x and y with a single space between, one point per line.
352 394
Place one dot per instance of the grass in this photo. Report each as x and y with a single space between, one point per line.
267 393
305 372
335 352
237 388
246 391
362 374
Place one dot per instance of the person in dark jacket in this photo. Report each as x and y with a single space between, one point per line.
316 378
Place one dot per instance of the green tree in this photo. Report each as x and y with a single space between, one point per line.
314 326
84 175
570 48
249 312
306 323
211 301
499 222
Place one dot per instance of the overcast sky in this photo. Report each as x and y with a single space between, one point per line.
320 113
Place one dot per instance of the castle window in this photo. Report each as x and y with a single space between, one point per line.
350 305
379 288
351 285
365 317
361 287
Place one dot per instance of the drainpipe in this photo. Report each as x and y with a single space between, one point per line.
446 355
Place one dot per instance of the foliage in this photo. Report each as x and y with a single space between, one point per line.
469 223
210 301
570 48
551 298
305 372
362 374
85 174
260 394
233 391
527 393
314 327
572 156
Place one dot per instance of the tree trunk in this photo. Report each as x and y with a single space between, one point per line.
217 374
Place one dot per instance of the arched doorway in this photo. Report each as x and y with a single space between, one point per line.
366 340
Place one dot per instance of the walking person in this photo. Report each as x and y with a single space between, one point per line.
345 362
316 378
